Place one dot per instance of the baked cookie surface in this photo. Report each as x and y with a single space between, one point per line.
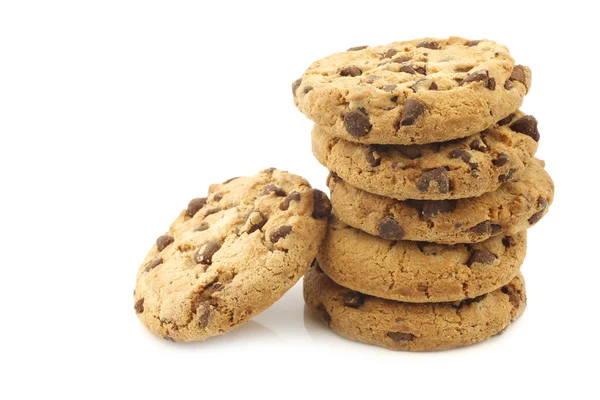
512 208
412 326
229 256
466 167
414 92
418 272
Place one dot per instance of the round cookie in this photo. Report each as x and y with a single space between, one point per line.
409 326
414 92
418 272
466 167
229 256
512 208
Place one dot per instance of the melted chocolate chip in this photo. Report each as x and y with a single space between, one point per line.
389 229
203 319
481 257
271 188
357 123
322 205
205 254
503 178
295 85
543 203
412 110
421 70
350 70
232 179
195 205
217 197
432 208
482 228
465 156
164 241
356 48
400 336
373 156
472 43
408 69
439 176
353 299
433 86
212 211
401 59
153 264
390 53
508 241
279 233
254 221
139 306
519 75
201 227
508 85
500 160
285 204
478 145
496 229
506 121
429 44
480 76
527 125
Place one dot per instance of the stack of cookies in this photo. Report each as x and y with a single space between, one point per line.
433 185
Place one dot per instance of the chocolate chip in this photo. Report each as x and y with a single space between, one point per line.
139 306
506 121
203 226
394 99
472 43
153 264
285 204
295 85
254 221
324 314
205 253
513 297
519 75
439 176
400 336
390 53
527 125
483 228
508 241
195 205
429 44
411 151
401 59
307 89
480 76
357 123
543 203
279 233
353 299
432 208
389 88
268 171
408 69
212 211
481 257
421 70
463 68
217 197
271 188
412 110
356 48
371 78
433 86
164 241
231 180
478 145
465 156
500 160
203 319
508 176
508 85
389 229
350 70
322 205
373 156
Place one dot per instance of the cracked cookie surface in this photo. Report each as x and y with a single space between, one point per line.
230 255
513 207
415 92
412 326
418 272
466 167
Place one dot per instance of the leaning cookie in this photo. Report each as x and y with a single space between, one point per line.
418 272
466 167
414 92
230 255
512 208
409 326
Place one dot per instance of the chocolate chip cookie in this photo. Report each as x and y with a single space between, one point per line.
409 326
466 167
418 272
415 92
512 208
230 255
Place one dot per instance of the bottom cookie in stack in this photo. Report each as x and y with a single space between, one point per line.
412 326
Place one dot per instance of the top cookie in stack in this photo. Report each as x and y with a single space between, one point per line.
415 92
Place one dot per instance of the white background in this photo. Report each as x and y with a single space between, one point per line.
114 114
